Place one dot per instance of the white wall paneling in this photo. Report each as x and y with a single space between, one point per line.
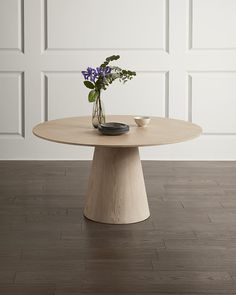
184 53
78 25
211 97
212 24
12 25
12 111
62 89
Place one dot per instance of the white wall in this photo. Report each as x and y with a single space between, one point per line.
184 52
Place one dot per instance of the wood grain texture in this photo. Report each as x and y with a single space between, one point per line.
116 190
78 131
187 246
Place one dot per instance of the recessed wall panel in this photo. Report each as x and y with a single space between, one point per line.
213 24
11 104
213 102
66 96
105 24
11 25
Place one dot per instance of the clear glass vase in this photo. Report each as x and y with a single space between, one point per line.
98 116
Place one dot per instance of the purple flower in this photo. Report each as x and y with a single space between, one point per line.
107 70
100 71
90 74
103 71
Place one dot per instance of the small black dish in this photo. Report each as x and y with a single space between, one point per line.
113 128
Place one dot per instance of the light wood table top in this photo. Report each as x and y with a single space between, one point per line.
116 190
79 131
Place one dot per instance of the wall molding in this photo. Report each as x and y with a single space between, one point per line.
21 31
44 97
45 85
191 35
21 110
190 98
44 37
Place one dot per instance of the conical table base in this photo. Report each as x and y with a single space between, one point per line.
116 192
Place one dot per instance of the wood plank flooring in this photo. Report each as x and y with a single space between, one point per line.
187 246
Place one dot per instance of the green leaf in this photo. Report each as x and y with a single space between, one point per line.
93 95
109 59
113 57
104 64
89 84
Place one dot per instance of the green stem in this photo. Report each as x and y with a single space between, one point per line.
100 107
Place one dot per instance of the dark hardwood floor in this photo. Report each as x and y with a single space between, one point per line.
187 246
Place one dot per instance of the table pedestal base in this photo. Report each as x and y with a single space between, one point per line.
116 192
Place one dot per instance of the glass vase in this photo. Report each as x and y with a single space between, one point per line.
98 116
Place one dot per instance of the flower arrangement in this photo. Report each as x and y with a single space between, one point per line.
98 79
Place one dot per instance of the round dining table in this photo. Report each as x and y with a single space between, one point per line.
116 189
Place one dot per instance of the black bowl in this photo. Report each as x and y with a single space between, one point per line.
113 128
